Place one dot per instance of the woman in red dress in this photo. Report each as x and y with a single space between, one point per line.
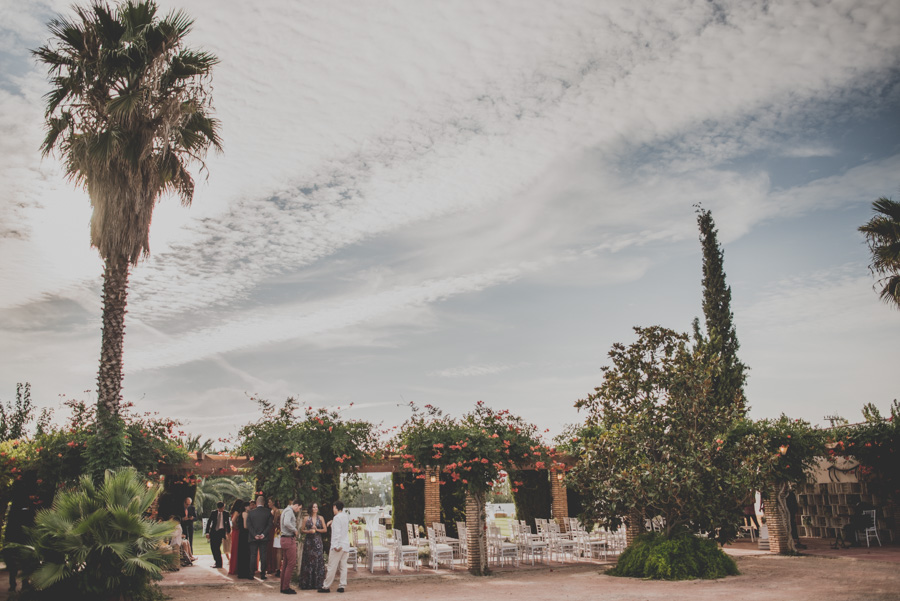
237 508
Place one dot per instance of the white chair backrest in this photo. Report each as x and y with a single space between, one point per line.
398 538
461 530
871 514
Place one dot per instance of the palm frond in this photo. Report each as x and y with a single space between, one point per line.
890 291
49 574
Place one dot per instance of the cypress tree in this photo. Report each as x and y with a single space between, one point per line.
721 338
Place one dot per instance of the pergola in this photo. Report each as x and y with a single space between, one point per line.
204 465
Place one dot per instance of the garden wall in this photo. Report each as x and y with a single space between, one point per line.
830 497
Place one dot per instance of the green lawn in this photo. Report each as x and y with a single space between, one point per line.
201 545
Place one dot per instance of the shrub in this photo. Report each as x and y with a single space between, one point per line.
95 542
681 556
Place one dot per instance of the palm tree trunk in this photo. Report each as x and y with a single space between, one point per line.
109 378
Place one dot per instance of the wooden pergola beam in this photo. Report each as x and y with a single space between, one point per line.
223 464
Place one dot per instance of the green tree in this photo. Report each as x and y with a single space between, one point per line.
883 236
658 445
875 444
473 452
720 341
303 456
14 418
129 111
790 449
95 543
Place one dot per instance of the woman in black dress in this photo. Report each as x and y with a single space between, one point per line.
243 546
312 568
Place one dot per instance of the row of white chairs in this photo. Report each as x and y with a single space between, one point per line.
386 549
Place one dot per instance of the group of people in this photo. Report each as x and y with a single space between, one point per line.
261 538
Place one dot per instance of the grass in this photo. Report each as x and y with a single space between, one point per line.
201 545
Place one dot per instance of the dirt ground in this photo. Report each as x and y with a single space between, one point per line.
763 577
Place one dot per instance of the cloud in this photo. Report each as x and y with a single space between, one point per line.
384 159
298 321
468 371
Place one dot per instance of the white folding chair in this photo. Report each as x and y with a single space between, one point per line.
377 551
463 533
500 549
405 553
560 544
871 529
440 532
440 552
530 544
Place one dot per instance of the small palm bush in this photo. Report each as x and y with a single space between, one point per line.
95 543
681 556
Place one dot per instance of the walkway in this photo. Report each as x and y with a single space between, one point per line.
764 578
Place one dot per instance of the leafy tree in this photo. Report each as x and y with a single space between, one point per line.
303 456
128 112
660 446
474 451
875 444
95 543
883 236
15 418
720 342
790 448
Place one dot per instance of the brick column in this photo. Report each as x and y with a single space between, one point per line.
476 543
432 496
634 527
777 522
560 500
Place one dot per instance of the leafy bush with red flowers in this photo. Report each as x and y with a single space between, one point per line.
875 444
791 448
300 452
474 450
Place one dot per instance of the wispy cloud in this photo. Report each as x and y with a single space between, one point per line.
383 160
468 371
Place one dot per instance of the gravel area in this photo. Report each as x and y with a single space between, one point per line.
763 578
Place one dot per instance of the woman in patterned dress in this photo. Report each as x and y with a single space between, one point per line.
312 568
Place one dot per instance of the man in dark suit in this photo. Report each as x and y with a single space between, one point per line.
259 527
188 515
217 528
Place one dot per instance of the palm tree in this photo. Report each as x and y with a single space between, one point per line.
130 109
883 236
96 541
220 488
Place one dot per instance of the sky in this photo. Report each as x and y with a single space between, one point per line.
434 202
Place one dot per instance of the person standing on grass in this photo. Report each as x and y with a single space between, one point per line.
259 527
217 526
340 548
289 545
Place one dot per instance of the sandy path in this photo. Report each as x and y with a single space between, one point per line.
764 578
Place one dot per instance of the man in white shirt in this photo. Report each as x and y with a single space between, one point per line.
340 548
